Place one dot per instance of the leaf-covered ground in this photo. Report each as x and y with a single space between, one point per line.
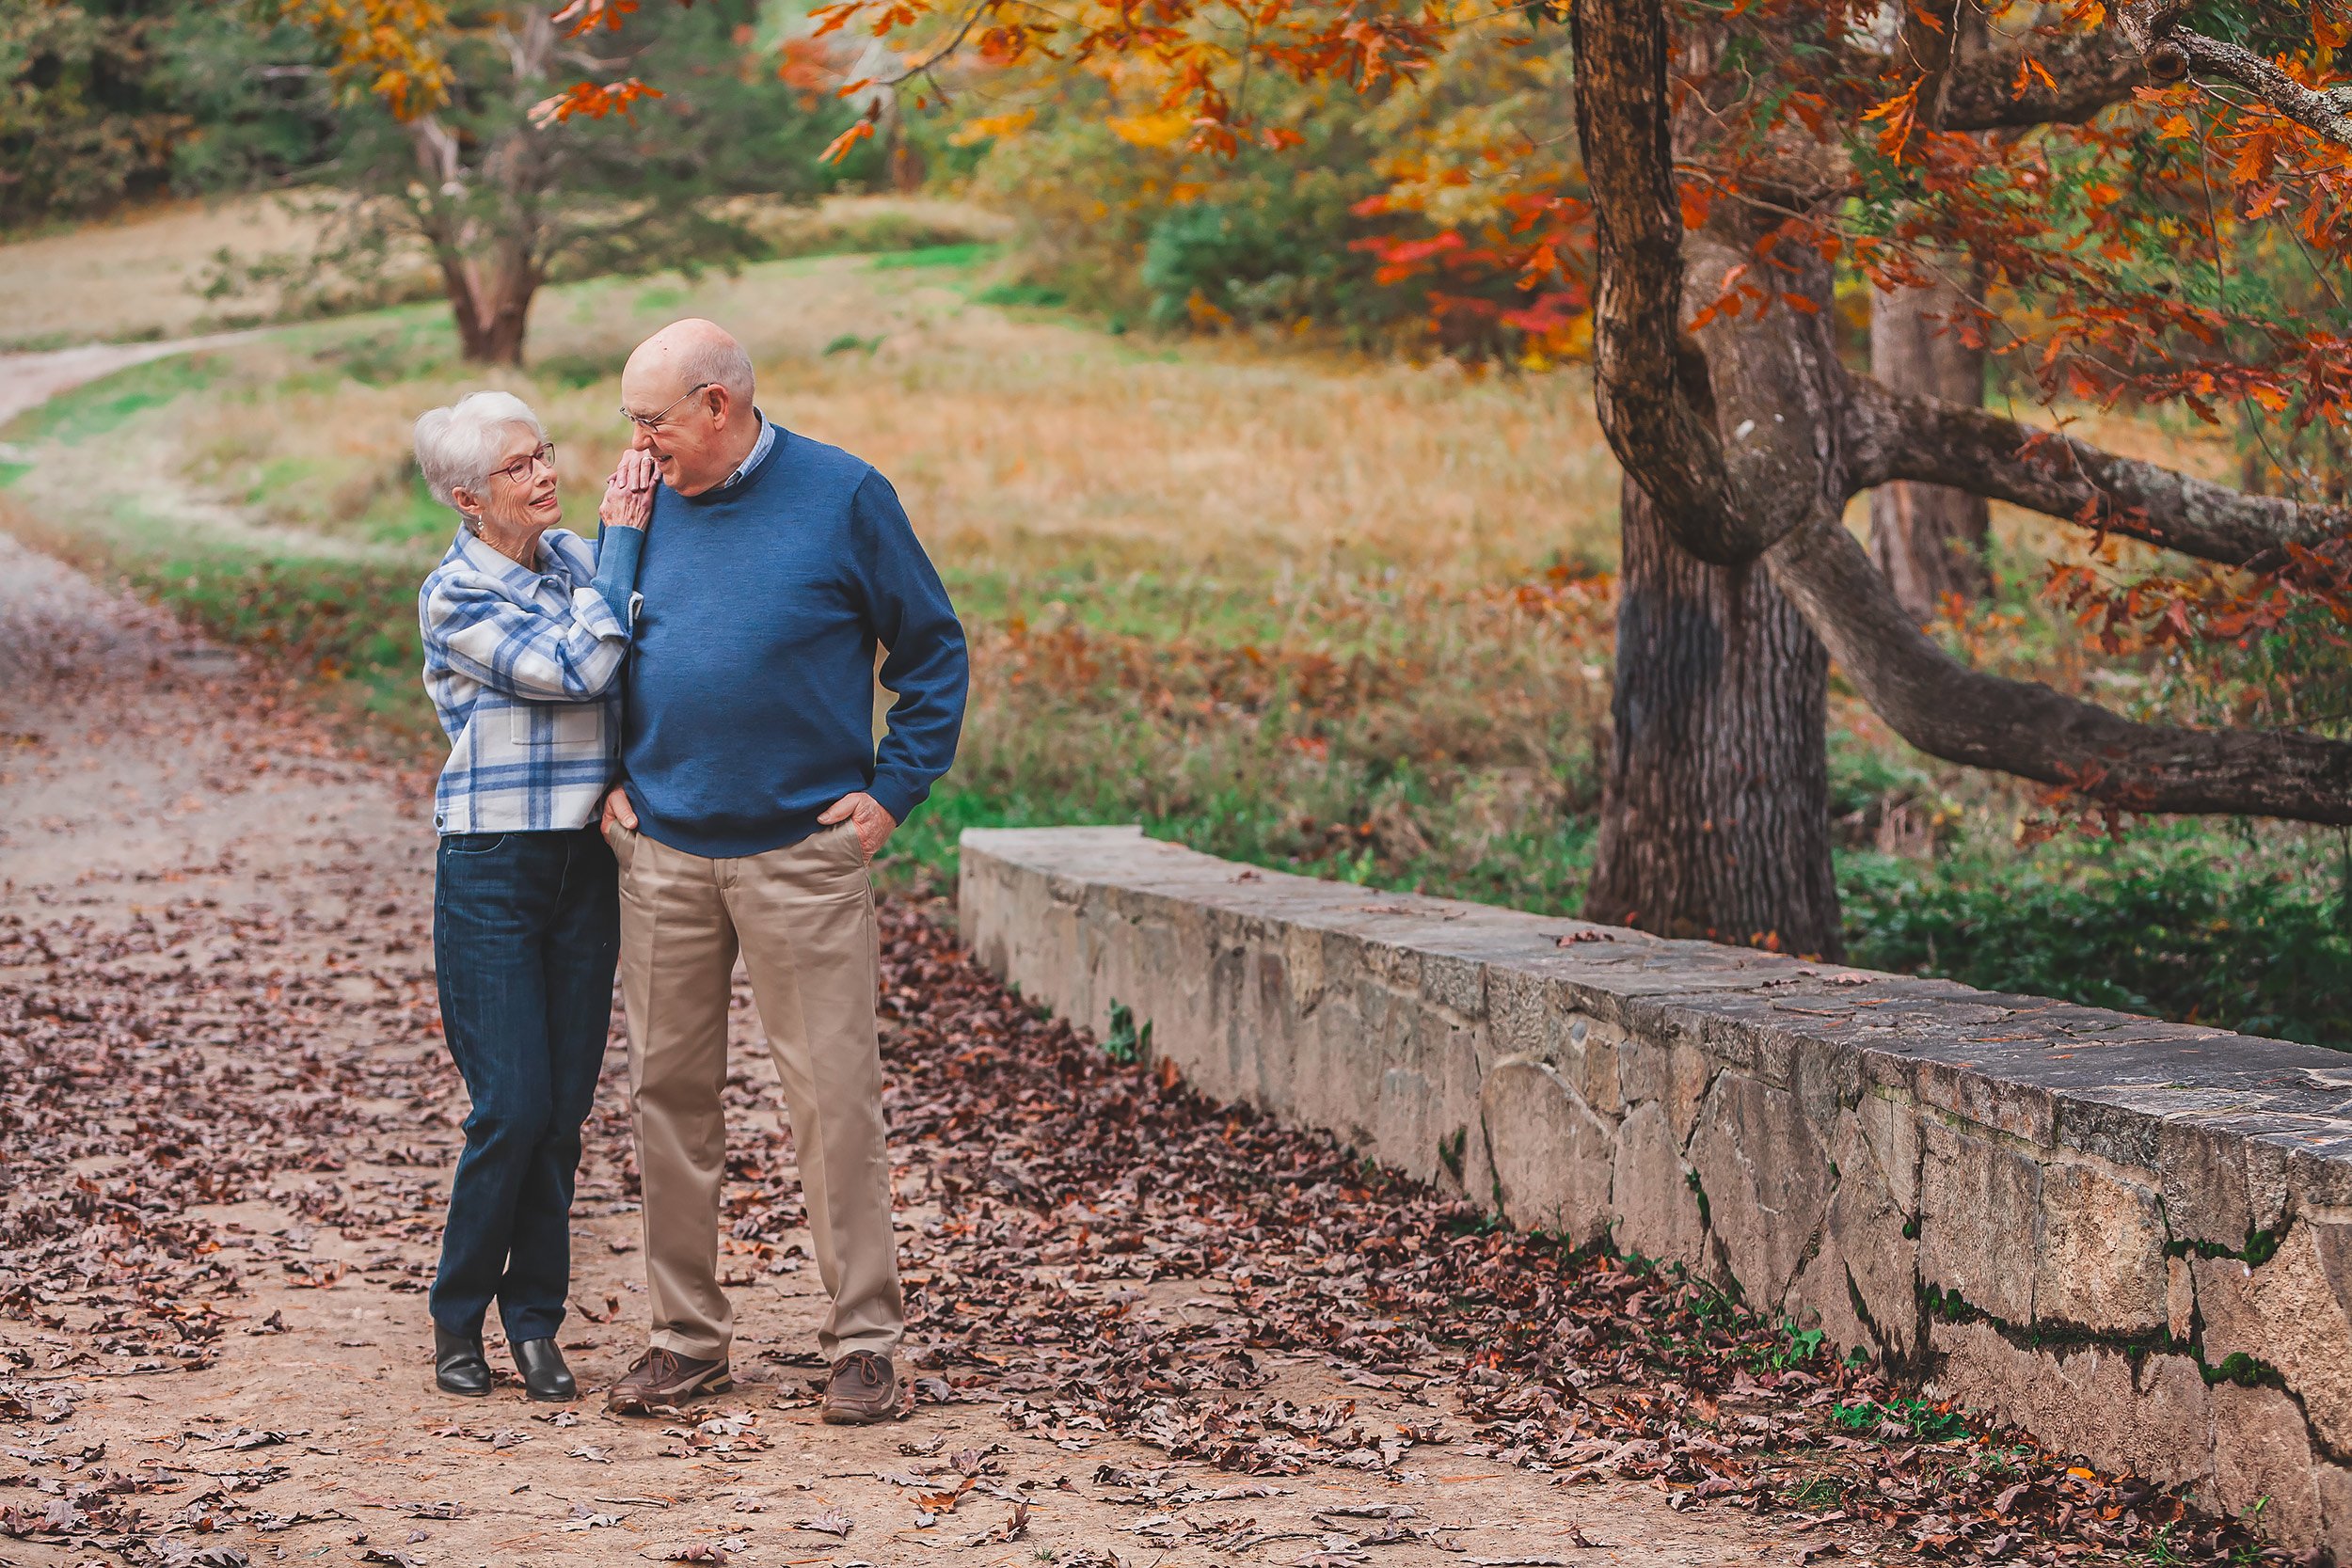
1148 1329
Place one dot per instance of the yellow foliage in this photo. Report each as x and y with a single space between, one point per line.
1574 341
992 127
1162 127
387 48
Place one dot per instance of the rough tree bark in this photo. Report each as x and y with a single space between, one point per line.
1929 540
1889 436
1715 807
493 314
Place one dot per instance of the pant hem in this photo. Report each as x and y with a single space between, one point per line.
677 1346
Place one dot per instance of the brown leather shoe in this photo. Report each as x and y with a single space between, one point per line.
663 1377
864 1389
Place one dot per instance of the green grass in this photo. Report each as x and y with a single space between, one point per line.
866 233
1544 873
1032 296
1916 1417
963 254
1220 610
410 343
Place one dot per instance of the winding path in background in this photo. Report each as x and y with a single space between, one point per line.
29 380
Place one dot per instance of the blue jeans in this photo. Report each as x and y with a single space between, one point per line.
526 931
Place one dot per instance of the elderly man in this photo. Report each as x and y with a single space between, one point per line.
753 798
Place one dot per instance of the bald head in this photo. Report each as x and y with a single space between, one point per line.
687 389
692 352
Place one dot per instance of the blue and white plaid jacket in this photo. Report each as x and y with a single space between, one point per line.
523 668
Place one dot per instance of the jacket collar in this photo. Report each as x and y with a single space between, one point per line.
518 581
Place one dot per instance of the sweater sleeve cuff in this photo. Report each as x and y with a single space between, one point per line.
898 796
616 571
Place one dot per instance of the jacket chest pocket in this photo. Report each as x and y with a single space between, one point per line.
562 729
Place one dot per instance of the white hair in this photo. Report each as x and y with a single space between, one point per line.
717 360
458 446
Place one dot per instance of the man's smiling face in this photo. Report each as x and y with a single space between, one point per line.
680 425
687 391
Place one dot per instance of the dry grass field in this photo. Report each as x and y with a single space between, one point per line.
140 276
1024 444
144 274
1020 445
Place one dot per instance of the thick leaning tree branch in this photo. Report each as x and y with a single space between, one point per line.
2172 52
1643 362
2076 79
1965 716
1895 435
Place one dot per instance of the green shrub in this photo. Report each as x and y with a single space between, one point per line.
84 118
1268 261
2186 920
1125 227
103 101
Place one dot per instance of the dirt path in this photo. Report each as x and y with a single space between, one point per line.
229 1122
29 380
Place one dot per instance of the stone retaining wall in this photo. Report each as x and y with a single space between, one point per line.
2132 1238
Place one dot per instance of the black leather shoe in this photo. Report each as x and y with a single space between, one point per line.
458 1364
545 1376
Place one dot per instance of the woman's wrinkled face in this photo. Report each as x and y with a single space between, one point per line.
521 498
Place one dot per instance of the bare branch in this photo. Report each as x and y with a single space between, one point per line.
931 61
2172 52
2024 728
436 151
1893 435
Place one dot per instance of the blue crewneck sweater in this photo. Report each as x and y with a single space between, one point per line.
748 702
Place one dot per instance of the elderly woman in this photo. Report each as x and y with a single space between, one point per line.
525 627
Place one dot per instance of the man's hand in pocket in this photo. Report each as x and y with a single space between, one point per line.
874 825
618 810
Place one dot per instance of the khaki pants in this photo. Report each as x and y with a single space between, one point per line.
803 918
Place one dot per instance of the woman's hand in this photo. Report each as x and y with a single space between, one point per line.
629 494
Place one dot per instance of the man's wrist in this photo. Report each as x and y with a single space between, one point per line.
893 799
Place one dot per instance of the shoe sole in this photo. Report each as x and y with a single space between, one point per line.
636 1405
441 1387
839 1418
537 1398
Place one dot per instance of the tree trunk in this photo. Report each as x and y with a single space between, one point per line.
491 317
1928 540
1715 808
506 319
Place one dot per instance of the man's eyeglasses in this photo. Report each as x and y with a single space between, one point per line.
655 422
519 470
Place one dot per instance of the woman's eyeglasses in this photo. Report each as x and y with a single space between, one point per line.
519 470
